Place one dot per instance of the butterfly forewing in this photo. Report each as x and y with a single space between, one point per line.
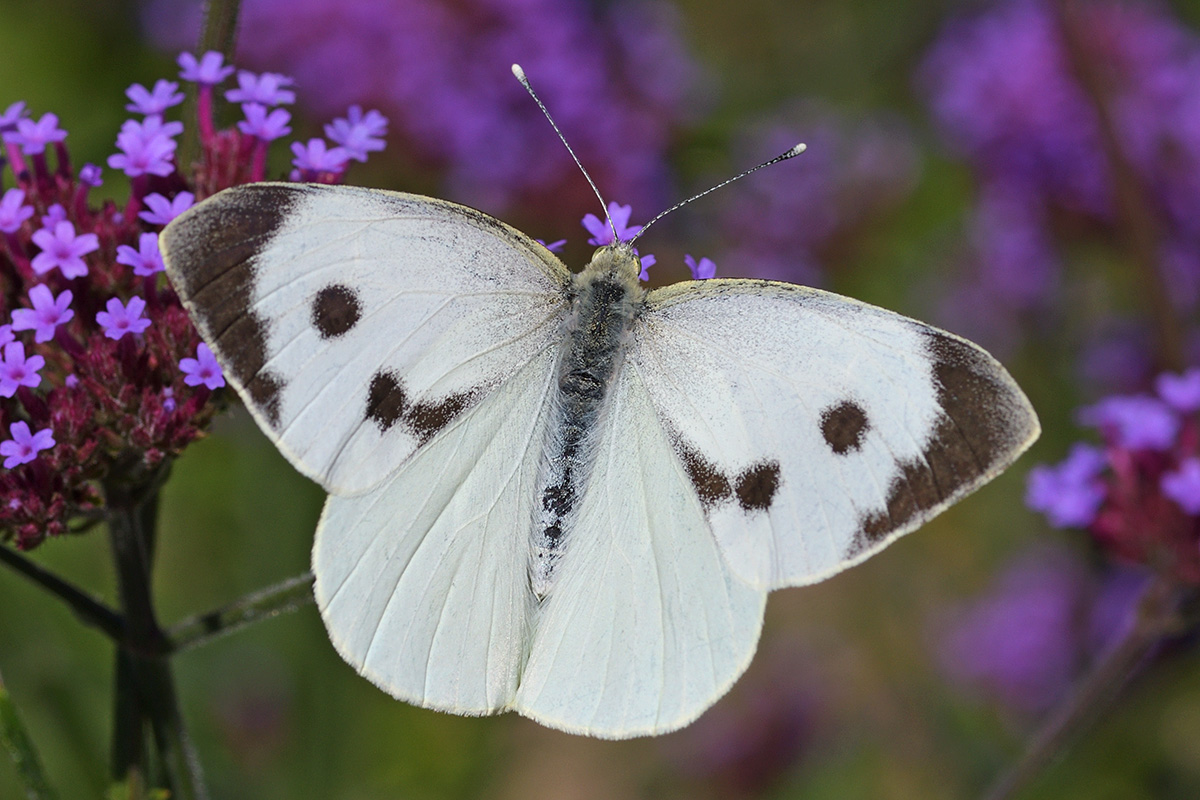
816 429
356 324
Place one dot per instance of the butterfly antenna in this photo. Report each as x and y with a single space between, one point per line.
795 151
520 75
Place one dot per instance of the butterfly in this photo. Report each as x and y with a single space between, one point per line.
563 494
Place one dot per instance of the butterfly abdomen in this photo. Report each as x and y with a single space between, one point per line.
607 298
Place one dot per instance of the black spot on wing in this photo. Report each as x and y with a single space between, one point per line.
210 253
711 485
843 426
388 403
335 311
984 422
757 485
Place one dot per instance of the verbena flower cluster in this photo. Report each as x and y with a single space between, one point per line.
616 76
1005 89
1139 493
102 376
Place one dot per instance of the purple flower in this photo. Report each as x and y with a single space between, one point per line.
602 233
48 313
34 136
1183 485
316 156
146 147
1181 392
89 175
13 211
63 249
162 210
120 319
553 247
54 215
209 70
1138 422
1071 493
146 260
702 271
164 95
203 369
24 446
8 119
16 370
262 125
6 335
266 89
359 133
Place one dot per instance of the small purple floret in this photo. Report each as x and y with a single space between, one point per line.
48 313
146 260
121 319
602 233
13 211
147 147
63 249
34 136
1183 485
209 70
162 210
153 101
203 369
266 89
8 119
90 175
316 156
24 445
1181 392
1070 493
1138 422
359 133
704 270
260 124
54 215
16 370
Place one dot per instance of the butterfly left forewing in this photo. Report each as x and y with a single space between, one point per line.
816 429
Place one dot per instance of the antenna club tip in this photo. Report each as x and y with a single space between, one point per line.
798 149
518 72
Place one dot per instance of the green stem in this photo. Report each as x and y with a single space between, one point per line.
145 689
219 33
15 739
1158 616
263 604
89 609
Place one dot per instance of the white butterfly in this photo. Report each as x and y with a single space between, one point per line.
561 494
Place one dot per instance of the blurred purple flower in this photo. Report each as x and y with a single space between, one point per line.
263 125
1069 494
34 136
702 271
146 101
316 156
1137 421
1181 392
209 70
266 89
162 210
146 259
10 115
147 147
16 370
47 314
203 369
13 211
91 175
1183 485
358 133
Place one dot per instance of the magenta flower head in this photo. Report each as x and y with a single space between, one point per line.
47 314
16 370
203 369
120 319
62 248
209 70
146 259
24 446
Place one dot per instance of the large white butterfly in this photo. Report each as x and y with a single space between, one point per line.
562 494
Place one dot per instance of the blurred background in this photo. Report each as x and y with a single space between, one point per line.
961 168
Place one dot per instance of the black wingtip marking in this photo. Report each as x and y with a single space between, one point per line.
388 403
335 311
210 252
985 422
843 426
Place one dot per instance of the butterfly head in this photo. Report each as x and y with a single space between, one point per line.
620 261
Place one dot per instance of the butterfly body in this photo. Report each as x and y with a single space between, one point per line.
560 494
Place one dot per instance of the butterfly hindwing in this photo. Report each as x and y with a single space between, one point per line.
815 429
355 323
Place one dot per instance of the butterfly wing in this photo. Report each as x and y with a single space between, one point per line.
355 323
816 429
646 625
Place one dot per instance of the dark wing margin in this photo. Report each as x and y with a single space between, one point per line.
985 423
209 254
